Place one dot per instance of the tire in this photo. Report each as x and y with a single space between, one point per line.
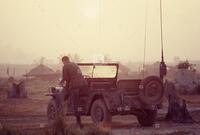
100 113
148 118
52 111
152 91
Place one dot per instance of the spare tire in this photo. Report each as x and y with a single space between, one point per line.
151 90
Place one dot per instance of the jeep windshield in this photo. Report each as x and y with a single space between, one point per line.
90 70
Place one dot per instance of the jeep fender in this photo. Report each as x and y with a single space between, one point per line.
111 99
96 96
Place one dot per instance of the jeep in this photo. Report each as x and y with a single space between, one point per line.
106 96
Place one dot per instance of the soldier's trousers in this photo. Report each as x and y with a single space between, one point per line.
73 95
75 99
75 103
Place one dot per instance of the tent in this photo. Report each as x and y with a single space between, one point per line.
42 71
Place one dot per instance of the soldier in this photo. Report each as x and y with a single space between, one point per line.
73 80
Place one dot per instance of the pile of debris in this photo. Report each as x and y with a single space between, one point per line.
17 89
177 107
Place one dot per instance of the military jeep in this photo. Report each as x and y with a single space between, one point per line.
106 96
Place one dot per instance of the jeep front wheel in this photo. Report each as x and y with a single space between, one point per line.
147 118
100 113
52 111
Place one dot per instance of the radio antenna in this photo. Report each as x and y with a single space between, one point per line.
145 38
163 67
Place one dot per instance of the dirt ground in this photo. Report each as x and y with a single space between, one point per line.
30 115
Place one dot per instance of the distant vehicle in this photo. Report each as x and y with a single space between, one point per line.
106 96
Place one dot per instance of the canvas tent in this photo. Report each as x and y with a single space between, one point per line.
42 71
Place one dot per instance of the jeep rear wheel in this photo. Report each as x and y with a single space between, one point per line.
52 111
100 113
148 118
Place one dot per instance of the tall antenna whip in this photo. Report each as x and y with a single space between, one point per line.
161 31
163 67
145 38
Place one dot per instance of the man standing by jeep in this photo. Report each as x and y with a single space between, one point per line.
73 81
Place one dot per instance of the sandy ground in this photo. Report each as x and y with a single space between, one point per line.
30 115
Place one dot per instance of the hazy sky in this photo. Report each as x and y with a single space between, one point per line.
30 29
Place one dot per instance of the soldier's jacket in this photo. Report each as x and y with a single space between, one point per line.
73 75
